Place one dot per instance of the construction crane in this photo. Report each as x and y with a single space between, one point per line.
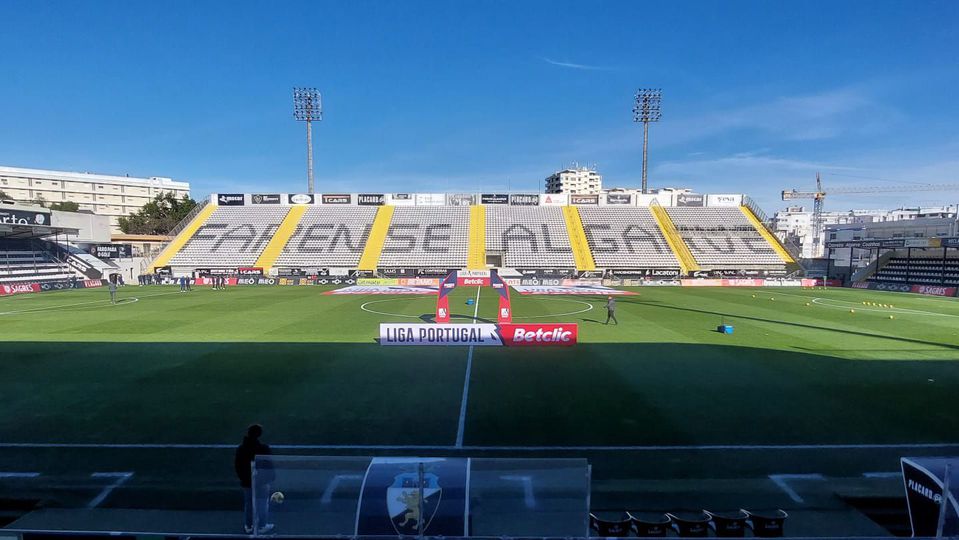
819 197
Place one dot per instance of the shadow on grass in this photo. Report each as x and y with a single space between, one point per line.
802 325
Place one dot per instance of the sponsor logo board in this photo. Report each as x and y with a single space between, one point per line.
690 199
371 199
19 288
477 335
342 198
554 199
265 198
584 199
300 198
539 335
934 290
524 199
473 281
230 199
619 198
580 290
378 289
494 198
23 217
460 199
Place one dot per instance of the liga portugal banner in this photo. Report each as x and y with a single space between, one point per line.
480 335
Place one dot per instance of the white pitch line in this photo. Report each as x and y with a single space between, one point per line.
120 477
104 302
5 474
780 480
461 426
493 448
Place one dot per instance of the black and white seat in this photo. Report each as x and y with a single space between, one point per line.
529 237
328 237
231 237
427 236
722 237
626 237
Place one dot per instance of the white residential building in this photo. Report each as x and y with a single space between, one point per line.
794 224
576 180
105 195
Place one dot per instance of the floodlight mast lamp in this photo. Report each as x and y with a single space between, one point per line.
647 109
307 107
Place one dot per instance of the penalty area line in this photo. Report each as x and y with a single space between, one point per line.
461 426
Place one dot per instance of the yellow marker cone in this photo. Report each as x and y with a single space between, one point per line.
852 311
891 317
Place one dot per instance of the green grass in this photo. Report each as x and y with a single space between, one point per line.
197 368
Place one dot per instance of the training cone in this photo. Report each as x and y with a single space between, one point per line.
852 311
891 317
807 303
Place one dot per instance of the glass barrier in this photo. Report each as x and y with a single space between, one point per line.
327 496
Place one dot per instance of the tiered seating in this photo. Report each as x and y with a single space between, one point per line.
920 271
626 238
427 236
328 237
722 237
529 237
231 237
21 262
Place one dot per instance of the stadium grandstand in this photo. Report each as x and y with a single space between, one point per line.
277 234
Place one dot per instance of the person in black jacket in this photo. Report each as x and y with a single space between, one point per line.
246 452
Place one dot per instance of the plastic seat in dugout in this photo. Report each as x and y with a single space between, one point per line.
610 528
694 525
650 526
766 525
728 524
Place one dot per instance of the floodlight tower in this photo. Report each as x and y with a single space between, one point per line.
647 109
307 107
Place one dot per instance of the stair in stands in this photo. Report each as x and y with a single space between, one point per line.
577 240
476 260
687 263
181 239
282 235
374 244
767 235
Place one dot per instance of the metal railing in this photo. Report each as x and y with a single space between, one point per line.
200 205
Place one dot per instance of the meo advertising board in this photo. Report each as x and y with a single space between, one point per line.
480 335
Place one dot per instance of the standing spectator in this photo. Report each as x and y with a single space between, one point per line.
246 453
182 284
611 310
112 285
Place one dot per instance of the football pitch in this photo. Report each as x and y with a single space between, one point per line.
816 394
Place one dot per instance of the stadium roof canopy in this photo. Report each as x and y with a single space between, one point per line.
15 231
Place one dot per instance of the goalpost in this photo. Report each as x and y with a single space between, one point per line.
471 278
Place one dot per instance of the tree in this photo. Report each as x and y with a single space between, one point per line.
65 206
158 216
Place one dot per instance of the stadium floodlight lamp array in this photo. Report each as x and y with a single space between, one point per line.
307 107
647 108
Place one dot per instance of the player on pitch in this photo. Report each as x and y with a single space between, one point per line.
611 310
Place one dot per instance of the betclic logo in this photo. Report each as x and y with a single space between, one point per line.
539 335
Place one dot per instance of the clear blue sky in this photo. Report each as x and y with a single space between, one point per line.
438 96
